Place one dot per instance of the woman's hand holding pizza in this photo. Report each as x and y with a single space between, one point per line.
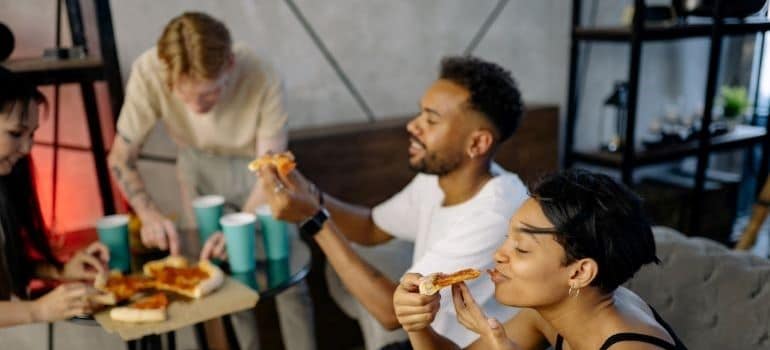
86 264
470 315
414 311
65 301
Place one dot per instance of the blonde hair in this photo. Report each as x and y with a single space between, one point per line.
195 45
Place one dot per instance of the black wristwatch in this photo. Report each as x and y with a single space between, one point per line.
312 226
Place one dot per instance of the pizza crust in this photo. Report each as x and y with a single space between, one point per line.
215 280
101 279
170 261
432 283
103 297
133 315
427 287
148 309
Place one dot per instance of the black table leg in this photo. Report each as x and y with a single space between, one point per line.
131 345
200 336
232 339
171 340
50 336
155 342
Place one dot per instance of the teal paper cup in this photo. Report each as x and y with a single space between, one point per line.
274 233
248 278
239 230
113 233
278 272
208 211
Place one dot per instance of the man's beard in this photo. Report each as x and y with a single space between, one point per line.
433 165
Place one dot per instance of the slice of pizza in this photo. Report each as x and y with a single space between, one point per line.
148 309
117 287
284 162
176 274
432 283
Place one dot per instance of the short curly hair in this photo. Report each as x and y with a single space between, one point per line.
493 91
194 44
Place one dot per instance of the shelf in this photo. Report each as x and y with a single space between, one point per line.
43 71
671 32
743 135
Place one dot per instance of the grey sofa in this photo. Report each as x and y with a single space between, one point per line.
713 297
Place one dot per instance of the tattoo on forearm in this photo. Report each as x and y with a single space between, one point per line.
142 199
118 174
125 139
131 165
132 189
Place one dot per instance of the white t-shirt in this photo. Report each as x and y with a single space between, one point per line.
455 237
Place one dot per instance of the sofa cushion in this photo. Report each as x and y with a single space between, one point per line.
713 297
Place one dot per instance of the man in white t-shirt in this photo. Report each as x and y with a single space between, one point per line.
455 210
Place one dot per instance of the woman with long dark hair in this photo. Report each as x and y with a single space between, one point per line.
24 248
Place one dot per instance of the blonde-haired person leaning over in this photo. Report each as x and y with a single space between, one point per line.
222 106
569 248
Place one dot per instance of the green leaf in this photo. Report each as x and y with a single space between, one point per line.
734 100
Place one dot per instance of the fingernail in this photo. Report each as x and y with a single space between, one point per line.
492 323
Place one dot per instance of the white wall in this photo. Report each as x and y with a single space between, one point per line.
390 50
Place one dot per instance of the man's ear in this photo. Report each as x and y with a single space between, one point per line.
481 142
584 271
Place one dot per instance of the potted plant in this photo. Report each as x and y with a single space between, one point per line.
735 100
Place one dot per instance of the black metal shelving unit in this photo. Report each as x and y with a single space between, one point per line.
716 29
84 71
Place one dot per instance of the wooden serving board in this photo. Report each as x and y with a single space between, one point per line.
231 297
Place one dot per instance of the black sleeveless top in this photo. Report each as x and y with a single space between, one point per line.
644 338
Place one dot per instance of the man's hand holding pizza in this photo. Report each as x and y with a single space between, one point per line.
291 197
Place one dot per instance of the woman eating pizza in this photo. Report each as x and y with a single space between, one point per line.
25 252
568 250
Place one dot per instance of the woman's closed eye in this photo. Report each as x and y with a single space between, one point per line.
515 244
14 134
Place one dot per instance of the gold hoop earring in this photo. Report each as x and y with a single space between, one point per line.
573 292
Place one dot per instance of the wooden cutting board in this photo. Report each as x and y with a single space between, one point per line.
231 297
